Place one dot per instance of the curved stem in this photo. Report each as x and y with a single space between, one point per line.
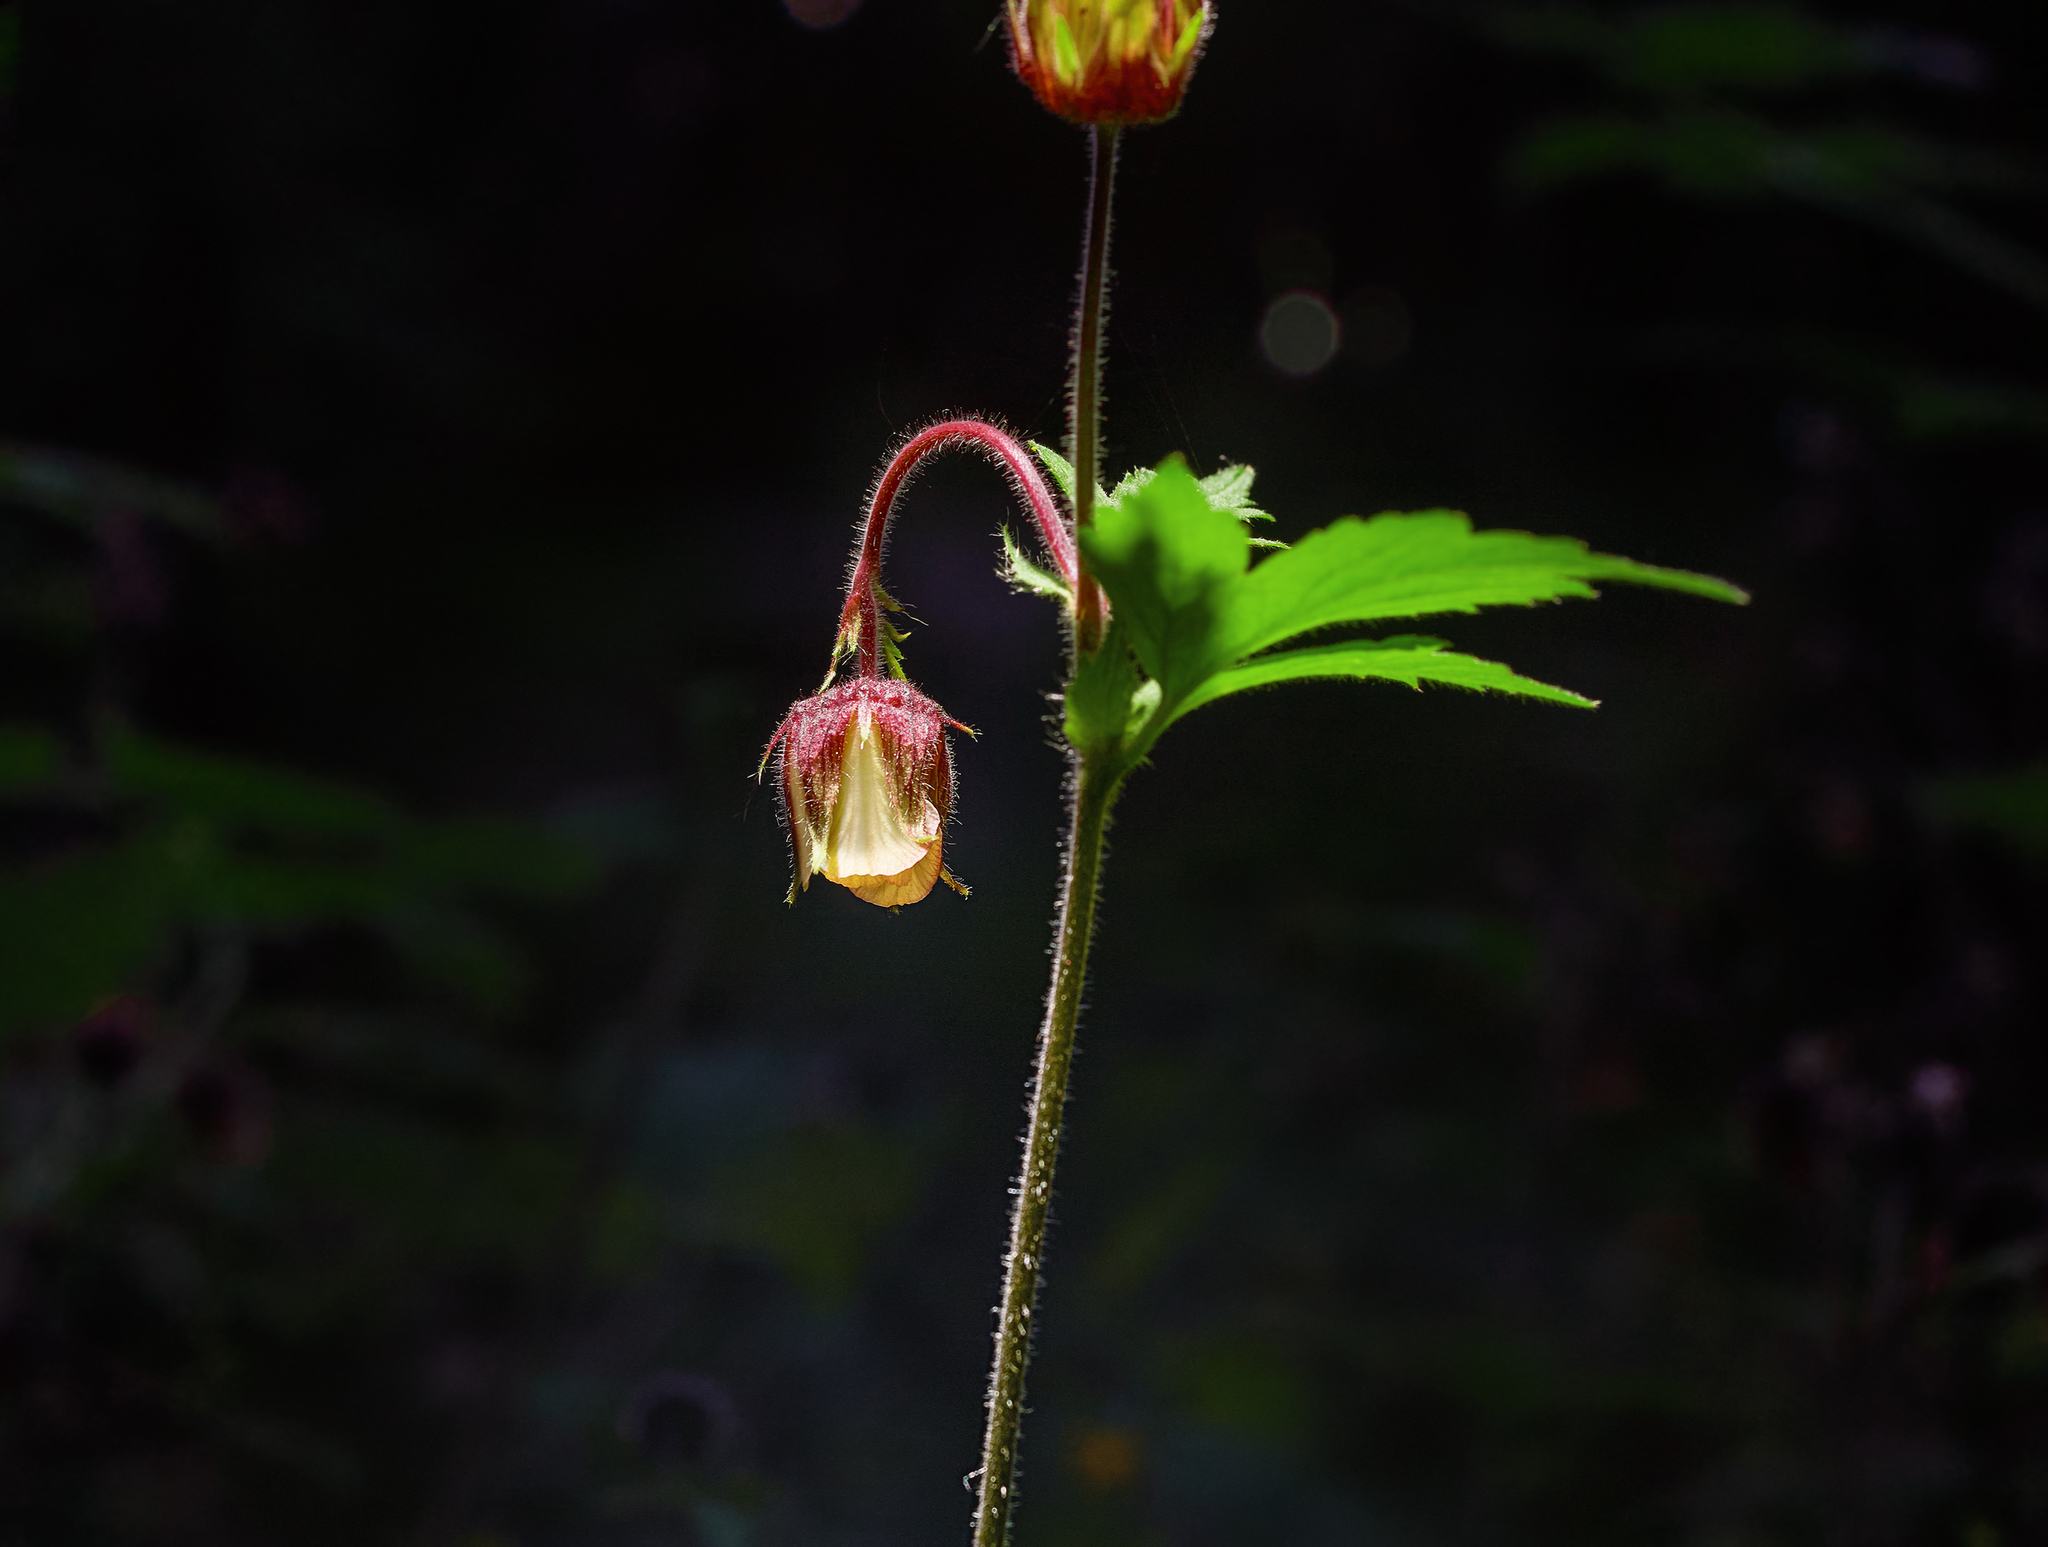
1084 402
861 617
1095 783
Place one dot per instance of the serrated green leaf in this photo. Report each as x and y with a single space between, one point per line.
1025 573
1061 472
1130 484
1227 490
1172 555
1408 566
1408 659
1057 467
1230 488
1169 560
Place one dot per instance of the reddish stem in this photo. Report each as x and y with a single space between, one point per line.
862 614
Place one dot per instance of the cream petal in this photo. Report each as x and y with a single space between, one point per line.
867 837
901 889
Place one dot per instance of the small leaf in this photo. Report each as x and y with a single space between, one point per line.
1057 467
1407 566
1409 659
1168 559
1061 471
1025 573
1230 488
1098 703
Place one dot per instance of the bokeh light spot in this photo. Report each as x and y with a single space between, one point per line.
1300 333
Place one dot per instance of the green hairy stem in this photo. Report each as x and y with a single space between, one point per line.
1095 779
1095 784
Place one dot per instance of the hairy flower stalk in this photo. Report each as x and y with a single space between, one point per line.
1105 64
863 630
865 770
1084 391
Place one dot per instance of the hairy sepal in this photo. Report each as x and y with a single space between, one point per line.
1025 573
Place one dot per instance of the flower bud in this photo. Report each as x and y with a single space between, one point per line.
867 782
1107 61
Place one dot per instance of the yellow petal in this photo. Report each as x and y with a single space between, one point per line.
897 891
867 837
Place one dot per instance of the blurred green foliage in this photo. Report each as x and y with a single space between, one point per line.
200 841
2014 806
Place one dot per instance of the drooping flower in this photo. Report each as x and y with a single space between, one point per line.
1108 61
867 783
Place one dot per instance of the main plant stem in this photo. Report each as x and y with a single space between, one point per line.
1095 780
1084 401
1094 790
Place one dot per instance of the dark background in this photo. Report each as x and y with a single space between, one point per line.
433 438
